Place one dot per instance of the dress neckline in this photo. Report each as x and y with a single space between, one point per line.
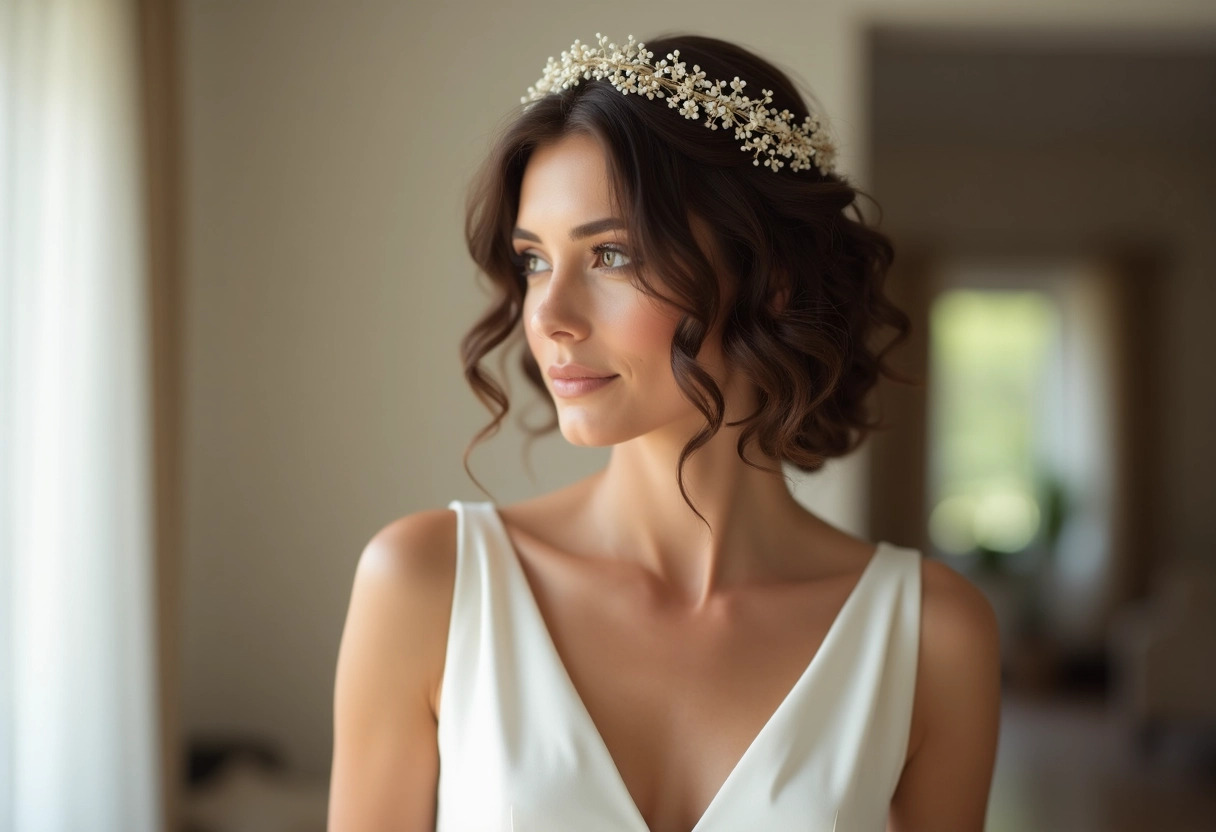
588 724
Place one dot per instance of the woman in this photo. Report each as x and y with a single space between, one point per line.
674 642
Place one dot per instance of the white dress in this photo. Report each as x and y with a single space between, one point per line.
518 749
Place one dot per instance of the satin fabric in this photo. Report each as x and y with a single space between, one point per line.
519 752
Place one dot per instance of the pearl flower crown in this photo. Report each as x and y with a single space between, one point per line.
628 68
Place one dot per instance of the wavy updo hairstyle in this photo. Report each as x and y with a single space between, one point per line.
779 234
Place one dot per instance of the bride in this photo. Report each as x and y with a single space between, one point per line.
674 643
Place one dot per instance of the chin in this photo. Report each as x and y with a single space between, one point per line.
591 433
581 436
590 428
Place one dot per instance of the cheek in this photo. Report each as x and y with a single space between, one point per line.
644 333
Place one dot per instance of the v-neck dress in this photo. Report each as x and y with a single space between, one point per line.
519 752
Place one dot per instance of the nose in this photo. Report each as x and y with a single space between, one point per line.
560 310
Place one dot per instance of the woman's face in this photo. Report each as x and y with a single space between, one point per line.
581 304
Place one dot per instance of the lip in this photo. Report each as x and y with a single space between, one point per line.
573 370
571 387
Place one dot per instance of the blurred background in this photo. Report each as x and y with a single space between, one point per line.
233 282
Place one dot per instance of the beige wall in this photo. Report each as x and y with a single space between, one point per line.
327 148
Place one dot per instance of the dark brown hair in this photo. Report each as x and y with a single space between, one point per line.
779 234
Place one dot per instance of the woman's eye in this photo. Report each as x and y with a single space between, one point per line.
527 263
613 254
608 254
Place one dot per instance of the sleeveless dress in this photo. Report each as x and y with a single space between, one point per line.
518 750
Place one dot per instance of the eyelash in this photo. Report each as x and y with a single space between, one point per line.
597 249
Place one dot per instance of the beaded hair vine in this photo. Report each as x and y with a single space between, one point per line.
628 68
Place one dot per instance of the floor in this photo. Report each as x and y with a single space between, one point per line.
1067 765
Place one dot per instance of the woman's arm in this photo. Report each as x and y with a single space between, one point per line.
945 783
385 759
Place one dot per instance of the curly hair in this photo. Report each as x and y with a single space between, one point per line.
804 279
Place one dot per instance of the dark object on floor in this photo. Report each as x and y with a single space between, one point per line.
207 755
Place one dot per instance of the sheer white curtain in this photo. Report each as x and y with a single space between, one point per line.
78 726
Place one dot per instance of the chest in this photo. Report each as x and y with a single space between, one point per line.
679 698
577 699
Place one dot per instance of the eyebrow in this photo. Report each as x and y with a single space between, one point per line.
577 233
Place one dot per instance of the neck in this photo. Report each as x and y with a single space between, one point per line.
637 510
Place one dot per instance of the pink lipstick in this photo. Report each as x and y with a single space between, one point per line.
570 387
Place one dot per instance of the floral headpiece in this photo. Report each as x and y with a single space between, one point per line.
628 68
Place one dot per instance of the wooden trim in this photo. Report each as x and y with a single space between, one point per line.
1136 276
161 126
898 457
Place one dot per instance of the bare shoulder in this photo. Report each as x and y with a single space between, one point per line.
947 776
385 759
955 615
418 547
413 559
959 641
